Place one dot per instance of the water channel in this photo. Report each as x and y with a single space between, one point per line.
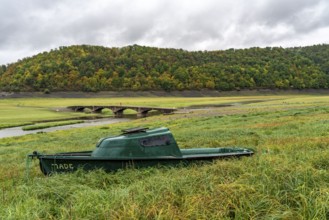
18 131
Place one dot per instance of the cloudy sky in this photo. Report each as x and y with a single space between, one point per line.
28 27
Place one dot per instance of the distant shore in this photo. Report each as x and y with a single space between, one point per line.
187 93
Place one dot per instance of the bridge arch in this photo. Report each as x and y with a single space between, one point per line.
118 110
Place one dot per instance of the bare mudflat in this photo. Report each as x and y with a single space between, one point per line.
187 93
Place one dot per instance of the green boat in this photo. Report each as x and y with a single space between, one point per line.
135 147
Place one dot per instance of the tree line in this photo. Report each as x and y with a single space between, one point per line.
95 68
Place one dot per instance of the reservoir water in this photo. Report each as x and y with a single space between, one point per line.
18 131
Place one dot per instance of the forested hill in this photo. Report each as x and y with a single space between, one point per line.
95 68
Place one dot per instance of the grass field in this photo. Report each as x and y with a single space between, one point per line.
287 178
18 112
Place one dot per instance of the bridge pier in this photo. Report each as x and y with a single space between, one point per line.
98 109
118 113
166 112
142 114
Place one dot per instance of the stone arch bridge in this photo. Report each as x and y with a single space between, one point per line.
118 109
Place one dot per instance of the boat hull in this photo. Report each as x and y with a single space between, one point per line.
66 162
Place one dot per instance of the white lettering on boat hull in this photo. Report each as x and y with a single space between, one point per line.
62 166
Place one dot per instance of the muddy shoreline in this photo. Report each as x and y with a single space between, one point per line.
187 93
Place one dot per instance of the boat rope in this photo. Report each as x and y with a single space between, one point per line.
27 166
29 159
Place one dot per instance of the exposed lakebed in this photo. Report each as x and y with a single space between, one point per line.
92 121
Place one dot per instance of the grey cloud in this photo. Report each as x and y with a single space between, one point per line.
312 18
36 25
300 15
278 11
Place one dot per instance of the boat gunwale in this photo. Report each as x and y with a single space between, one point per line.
184 157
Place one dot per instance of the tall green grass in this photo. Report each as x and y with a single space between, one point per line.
287 178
